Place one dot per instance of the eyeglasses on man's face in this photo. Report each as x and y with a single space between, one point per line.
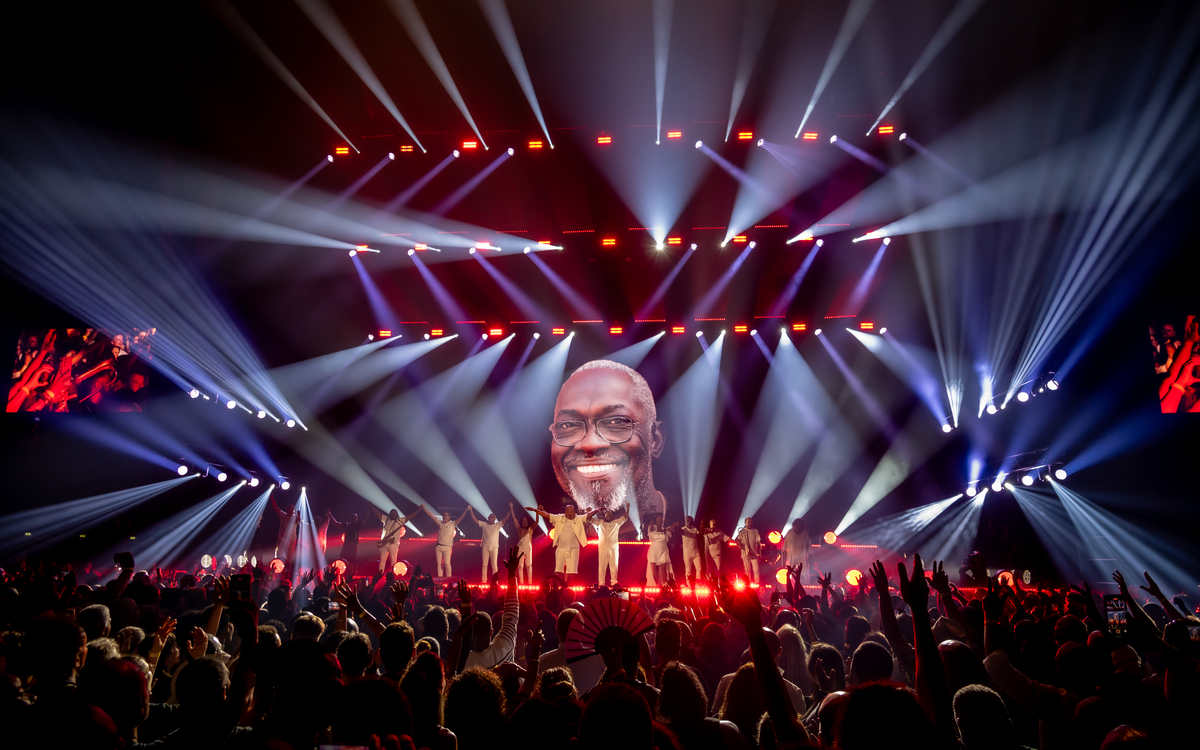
614 430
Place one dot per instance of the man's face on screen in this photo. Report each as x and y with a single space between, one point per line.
594 472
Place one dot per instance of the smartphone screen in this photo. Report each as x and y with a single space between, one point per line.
334 606
239 588
1194 630
1116 616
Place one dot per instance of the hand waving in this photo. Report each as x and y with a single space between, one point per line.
879 577
1152 589
939 581
914 591
513 561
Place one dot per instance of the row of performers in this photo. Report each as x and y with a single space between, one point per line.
702 545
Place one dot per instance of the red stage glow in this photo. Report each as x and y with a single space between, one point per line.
739 328
886 130
385 334
774 537
406 149
676 329
608 242
810 136
866 325
799 326
745 135
436 332
740 238
535 144
674 240
604 140
342 150
558 331
495 331
614 330
853 576
467 145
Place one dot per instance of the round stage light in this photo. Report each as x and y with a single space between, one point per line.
774 537
781 576
261 413
230 404
400 569
658 246
1052 385
182 470
471 251
946 427
761 141
903 136
339 566
536 336
693 245
329 157
427 337
526 251
699 334
275 566
455 153
391 156
222 476
853 576
254 561
485 337
411 251
1026 577
817 332
206 561
242 560
833 139
1060 474
830 537
194 393
253 481
971 490
353 253
511 152
887 240
699 144
291 423
1027 480
285 485
991 408
228 560
882 331
753 331
1023 396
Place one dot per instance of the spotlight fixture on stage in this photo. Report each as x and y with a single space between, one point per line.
230 404
1027 480
882 331
774 537
761 141
1060 474
242 560
1052 384
536 335
353 253
391 156
699 144
781 576
853 576
400 569
339 565
754 332
991 408
182 470
253 481
511 152
817 332
971 490
206 561
1023 396
946 427
903 136
830 537
222 476
261 413
228 559
833 139
998 482
291 423
285 485
194 393
699 334
275 566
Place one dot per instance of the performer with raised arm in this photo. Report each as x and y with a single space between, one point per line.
447 530
658 554
389 537
608 528
797 546
690 537
525 527
750 544
289 530
490 536
569 538
714 541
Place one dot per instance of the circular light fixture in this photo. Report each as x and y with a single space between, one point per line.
206 561
774 537
471 251
853 576
1060 474
658 246
261 413
754 332
427 337
455 153
699 334
830 537
536 335
1027 480
290 423
699 144
903 136
833 139
228 560
253 481
781 576
329 157
946 427
194 393
761 141
400 569
817 332
1023 396
882 331
254 561
511 152
485 337
526 251
339 566
971 490
182 470
275 566
242 560
391 156
1052 385
353 253
285 485
230 404
411 251
991 408
222 476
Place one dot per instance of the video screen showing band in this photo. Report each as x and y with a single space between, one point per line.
80 370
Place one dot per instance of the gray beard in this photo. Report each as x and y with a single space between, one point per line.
594 497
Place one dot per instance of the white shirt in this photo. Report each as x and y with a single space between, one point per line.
491 533
716 538
390 526
691 544
797 546
608 531
748 540
568 532
446 532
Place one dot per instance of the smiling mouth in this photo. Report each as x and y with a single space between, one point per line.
589 470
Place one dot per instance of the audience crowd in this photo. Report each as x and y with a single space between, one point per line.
898 661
